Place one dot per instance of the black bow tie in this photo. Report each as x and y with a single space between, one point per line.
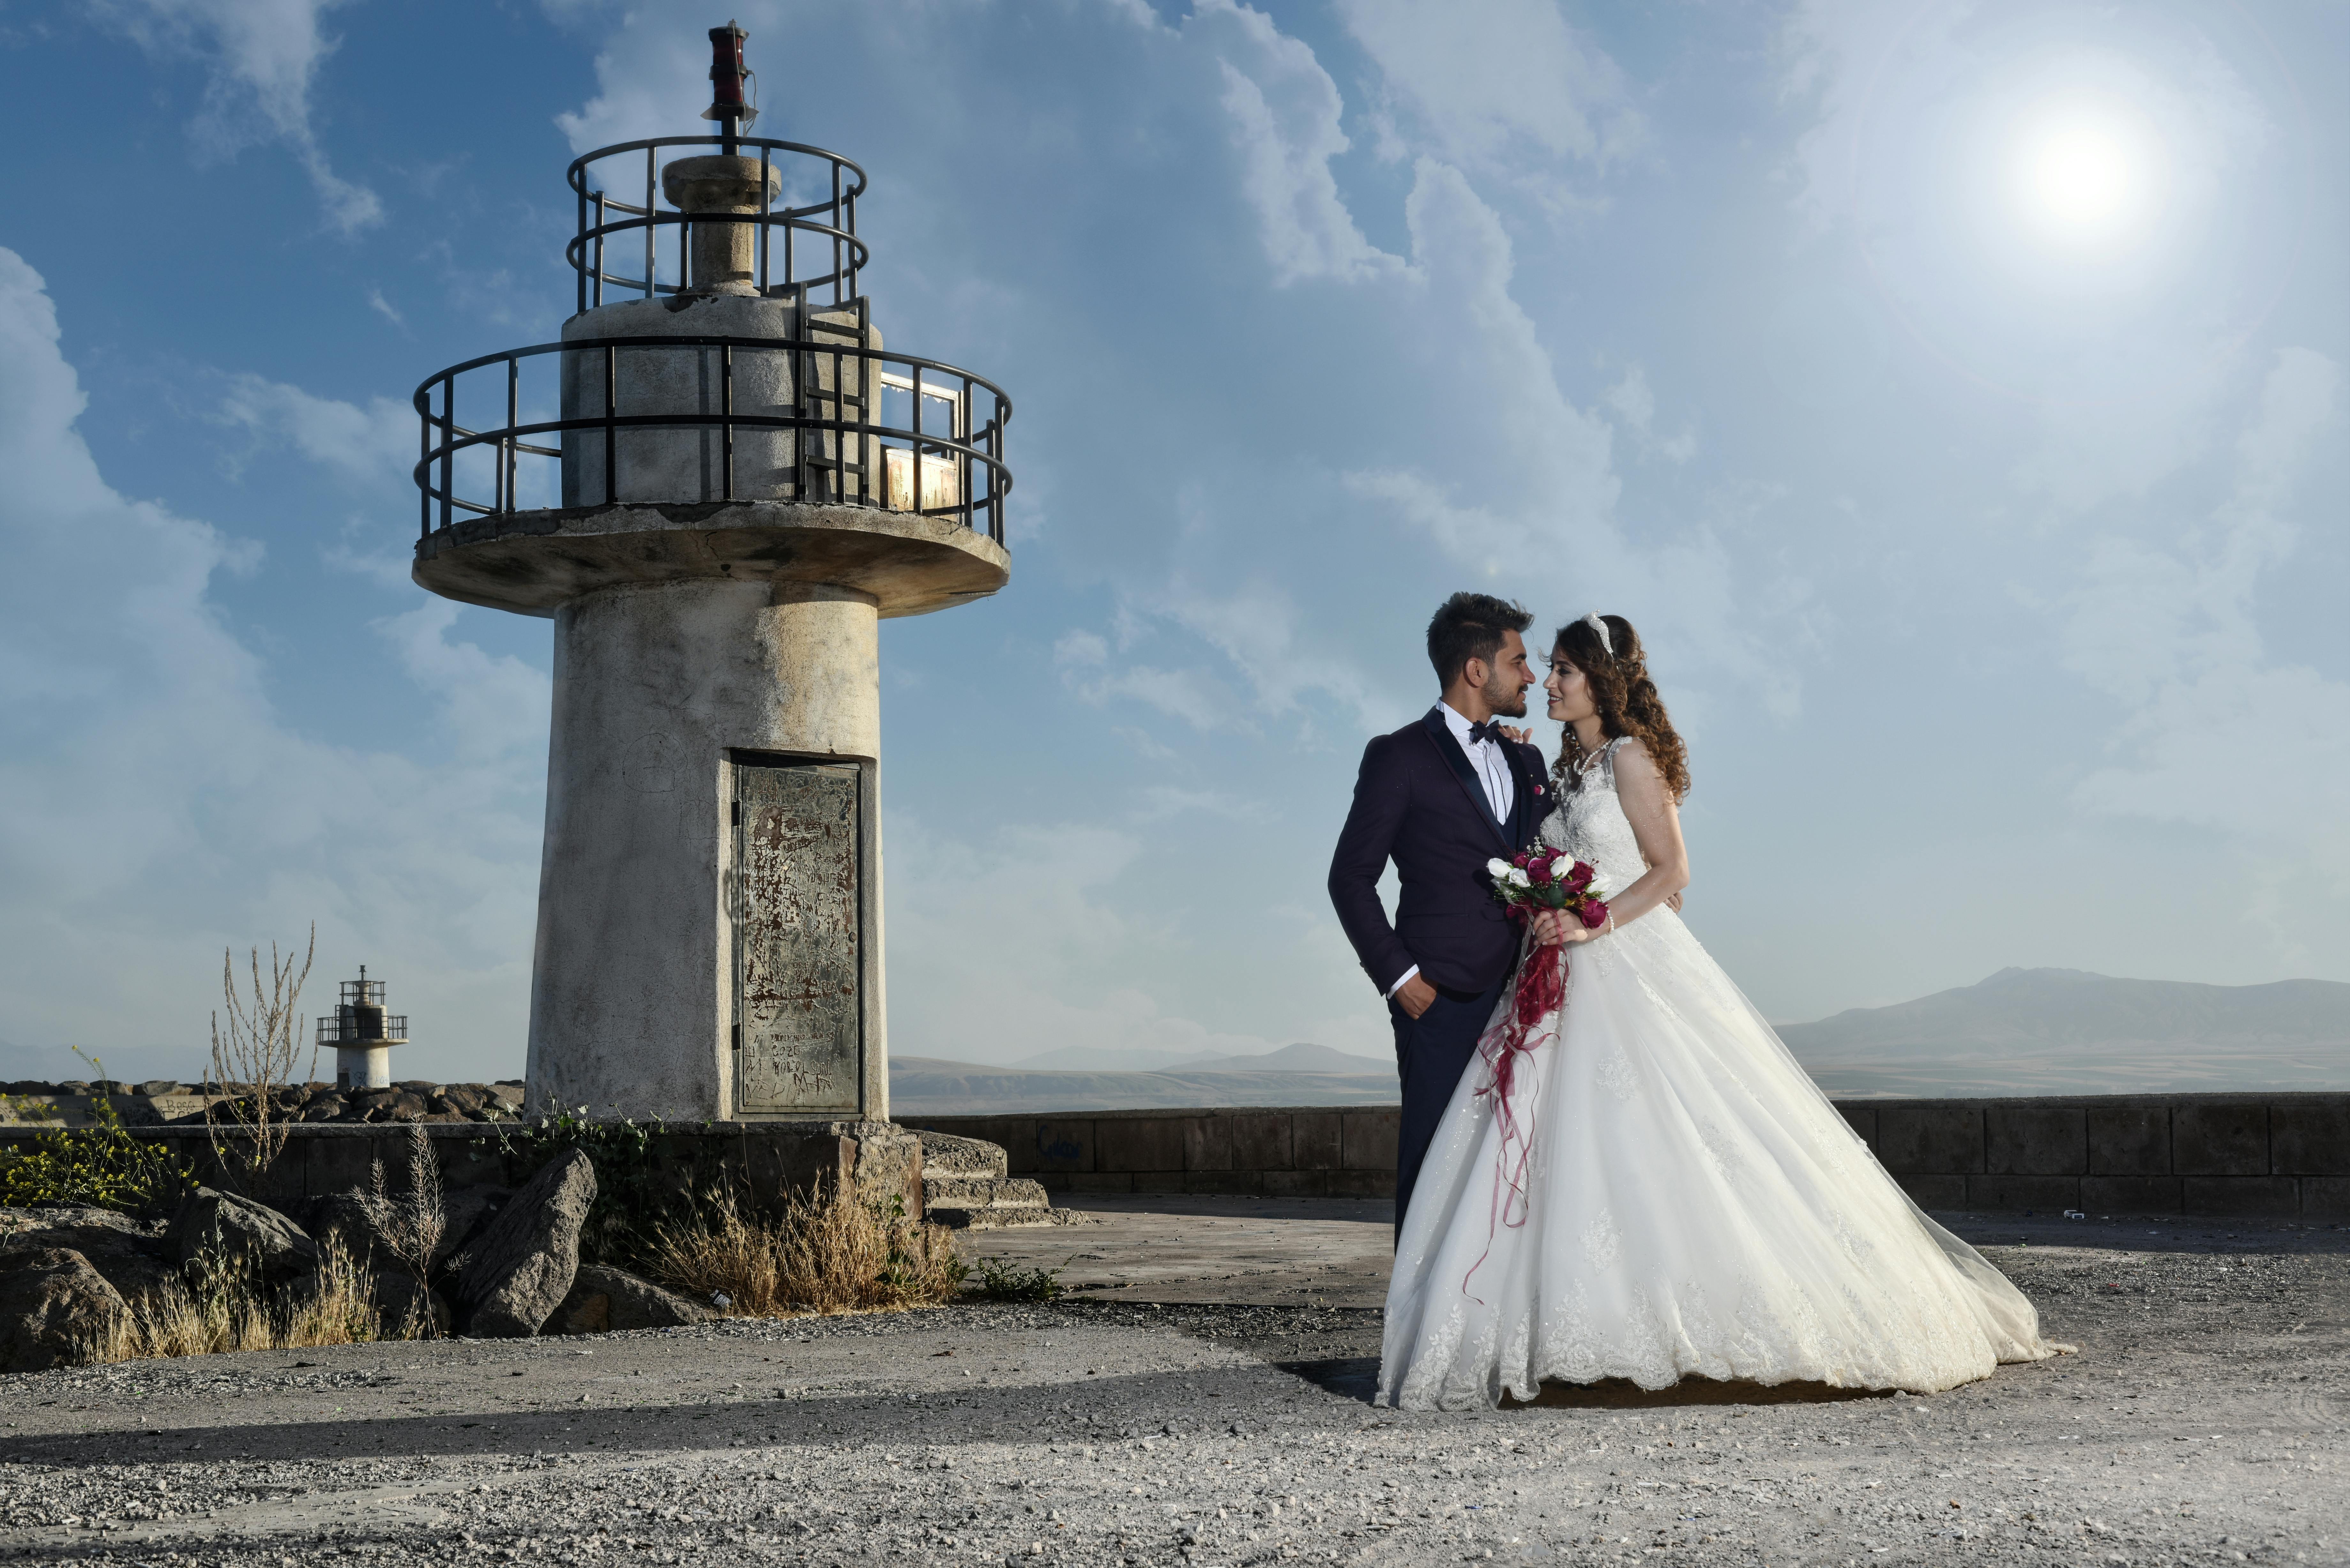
1491 730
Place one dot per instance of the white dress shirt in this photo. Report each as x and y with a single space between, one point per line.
1493 772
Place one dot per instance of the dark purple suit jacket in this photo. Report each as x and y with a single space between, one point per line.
1419 802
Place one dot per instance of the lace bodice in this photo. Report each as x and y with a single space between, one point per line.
1589 824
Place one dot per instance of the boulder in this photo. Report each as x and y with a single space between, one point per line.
53 1307
241 1231
469 1210
461 1099
398 1296
520 1266
604 1299
127 1254
344 1217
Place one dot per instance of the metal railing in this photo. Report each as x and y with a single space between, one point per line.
829 225
952 466
395 1031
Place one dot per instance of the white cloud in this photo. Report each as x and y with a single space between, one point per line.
2218 734
363 444
1635 410
1503 87
261 58
156 805
1088 670
1284 112
1034 938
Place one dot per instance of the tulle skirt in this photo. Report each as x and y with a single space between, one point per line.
1668 1195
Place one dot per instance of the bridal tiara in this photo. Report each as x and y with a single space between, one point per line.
1606 642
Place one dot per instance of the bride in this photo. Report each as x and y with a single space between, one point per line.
1647 1186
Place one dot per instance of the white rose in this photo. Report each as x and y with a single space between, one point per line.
1519 879
1497 869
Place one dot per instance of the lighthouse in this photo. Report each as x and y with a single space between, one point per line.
717 485
363 1035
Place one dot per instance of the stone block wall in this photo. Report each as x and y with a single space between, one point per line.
2283 1157
1283 1151
2280 1156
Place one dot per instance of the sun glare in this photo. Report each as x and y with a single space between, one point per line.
2084 175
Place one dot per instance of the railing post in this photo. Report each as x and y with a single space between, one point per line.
448 444
727 415
650 290
506 443
424 470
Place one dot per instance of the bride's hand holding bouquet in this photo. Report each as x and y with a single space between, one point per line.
1556 895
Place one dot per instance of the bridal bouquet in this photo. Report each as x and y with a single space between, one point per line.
1536 879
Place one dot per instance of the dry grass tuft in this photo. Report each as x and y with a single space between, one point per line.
824 1253
227 1310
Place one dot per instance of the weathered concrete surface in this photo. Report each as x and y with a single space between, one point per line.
535 562
2204 1422
656 691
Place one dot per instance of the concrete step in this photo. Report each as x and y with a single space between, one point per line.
987 1203
944 1154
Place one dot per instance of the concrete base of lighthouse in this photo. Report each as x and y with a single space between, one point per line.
362 1067
676 706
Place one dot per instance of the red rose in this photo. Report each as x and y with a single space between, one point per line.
1538 873
1593 915
1579 878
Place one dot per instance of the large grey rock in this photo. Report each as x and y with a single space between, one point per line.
128 1253
399 1298
239 1231
606 1299
343 1217
520 1266
53 1307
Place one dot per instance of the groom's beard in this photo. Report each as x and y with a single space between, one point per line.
1505 701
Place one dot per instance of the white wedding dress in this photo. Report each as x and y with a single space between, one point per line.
1691 1204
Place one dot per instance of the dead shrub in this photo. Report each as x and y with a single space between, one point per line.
825 1252
226 1308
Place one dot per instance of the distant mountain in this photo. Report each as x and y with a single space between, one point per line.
130 1063
928 1086
1102 1059
1298 1058
2066 1032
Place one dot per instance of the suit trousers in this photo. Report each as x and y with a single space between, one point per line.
1431 1052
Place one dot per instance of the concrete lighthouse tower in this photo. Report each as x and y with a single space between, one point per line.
717 485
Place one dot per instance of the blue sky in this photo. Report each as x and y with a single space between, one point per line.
1952 395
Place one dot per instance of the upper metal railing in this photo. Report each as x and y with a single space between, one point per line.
828 225
332 1032
945 460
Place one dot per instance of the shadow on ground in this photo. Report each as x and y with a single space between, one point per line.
1357 1378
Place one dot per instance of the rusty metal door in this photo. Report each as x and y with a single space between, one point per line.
799 940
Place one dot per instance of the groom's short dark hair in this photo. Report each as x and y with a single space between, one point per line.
1471 626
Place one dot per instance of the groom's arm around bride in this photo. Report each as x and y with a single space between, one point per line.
1440 797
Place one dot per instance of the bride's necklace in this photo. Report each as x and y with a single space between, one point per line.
1590 756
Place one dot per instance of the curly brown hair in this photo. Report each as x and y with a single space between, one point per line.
1627 700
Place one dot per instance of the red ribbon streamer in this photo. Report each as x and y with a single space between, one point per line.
1541 992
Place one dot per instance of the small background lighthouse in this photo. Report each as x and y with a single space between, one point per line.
363 1035
716 485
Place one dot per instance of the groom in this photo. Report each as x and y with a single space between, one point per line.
1442 796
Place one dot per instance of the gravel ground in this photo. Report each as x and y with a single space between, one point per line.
2207 1420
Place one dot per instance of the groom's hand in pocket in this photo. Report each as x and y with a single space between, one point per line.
1415 996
